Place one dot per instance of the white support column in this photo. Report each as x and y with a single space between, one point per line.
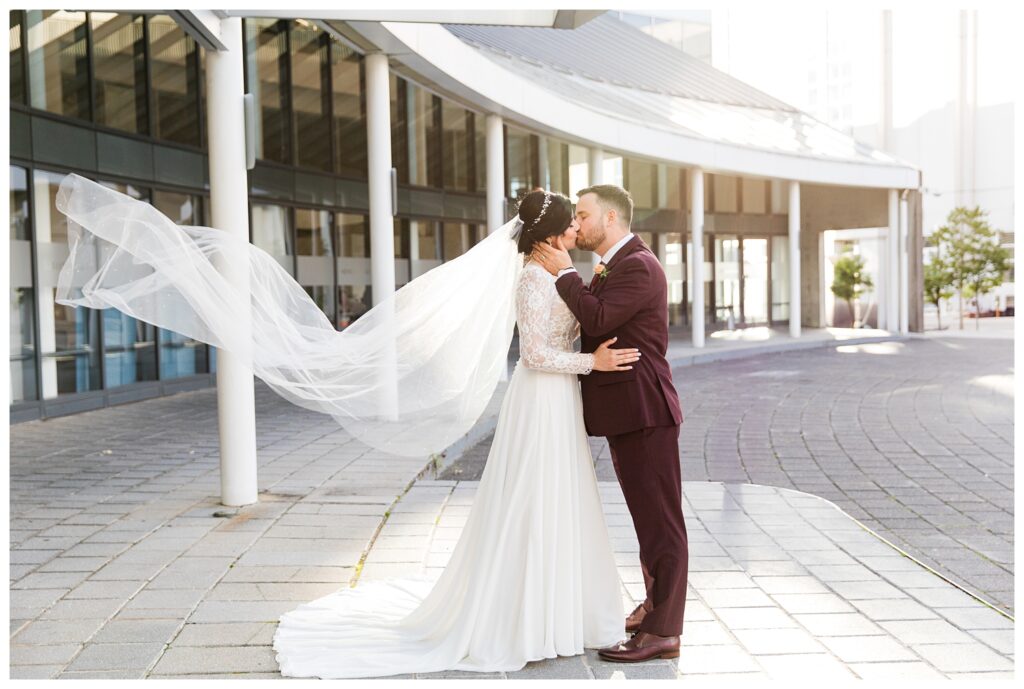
595 171
904 267
794 259
382 212
891 293
495 173
229 205
697 253
378 135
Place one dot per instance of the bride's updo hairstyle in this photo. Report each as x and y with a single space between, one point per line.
544 214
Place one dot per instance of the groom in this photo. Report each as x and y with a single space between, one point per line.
638 410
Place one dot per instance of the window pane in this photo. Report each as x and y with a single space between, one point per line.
69 336
17 58
555 160
399 141
349 111
480 152
424 249
266 55
421 138
119 54
457 239
129 345
780 278
520 162
58 62
455 146
353 265
642 182
315 254
272 232
179 355
310 96
402 266
174 60
22 294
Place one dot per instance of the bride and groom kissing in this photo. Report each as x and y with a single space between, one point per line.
533 574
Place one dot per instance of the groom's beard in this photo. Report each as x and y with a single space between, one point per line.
589 242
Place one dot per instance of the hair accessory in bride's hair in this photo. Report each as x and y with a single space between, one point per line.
543 209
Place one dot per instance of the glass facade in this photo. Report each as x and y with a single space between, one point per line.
58 62
314 251
174 65
311 96
69 337
119 66
349 114
267 76
22 295
17 59
353 267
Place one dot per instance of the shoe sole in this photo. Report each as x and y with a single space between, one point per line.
667 656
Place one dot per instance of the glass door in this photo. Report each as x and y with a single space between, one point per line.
727 279
755 280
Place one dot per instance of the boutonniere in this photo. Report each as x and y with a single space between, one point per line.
602 271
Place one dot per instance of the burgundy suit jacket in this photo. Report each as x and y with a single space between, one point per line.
630 303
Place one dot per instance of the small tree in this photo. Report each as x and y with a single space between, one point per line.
937 285
850 281
972 255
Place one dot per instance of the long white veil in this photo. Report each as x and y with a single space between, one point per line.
410 377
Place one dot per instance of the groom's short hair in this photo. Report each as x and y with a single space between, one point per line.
612 196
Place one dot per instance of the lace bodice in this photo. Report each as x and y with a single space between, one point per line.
547 329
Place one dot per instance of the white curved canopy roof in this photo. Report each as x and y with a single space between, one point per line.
651 101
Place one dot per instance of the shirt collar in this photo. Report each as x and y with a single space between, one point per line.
618 245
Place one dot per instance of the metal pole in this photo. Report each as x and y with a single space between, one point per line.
229 204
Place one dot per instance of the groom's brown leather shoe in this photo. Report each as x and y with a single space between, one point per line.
635 618
642 647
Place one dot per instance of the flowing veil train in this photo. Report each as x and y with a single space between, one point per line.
410 377
533 574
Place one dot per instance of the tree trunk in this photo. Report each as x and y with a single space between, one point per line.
960 292
977 308
938 313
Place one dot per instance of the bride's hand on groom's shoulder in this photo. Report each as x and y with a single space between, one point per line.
608 359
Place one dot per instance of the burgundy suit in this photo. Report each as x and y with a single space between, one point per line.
638 411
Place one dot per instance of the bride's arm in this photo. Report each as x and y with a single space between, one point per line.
534 296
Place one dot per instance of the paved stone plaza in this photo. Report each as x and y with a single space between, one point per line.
123 564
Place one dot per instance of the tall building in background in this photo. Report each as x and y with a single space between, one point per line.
932 87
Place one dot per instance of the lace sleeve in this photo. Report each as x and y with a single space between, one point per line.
533 309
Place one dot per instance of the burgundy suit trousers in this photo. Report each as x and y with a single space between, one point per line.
647 465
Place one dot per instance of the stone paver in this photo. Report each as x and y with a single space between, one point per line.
124 565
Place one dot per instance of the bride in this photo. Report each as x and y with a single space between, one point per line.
532 575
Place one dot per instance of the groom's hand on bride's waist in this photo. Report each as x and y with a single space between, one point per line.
553 258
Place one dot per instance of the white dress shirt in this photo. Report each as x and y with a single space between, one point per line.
607 255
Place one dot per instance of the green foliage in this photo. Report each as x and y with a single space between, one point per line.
850 280
971 252
937 282
970 256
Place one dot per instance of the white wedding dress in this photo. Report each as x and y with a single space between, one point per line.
532 576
